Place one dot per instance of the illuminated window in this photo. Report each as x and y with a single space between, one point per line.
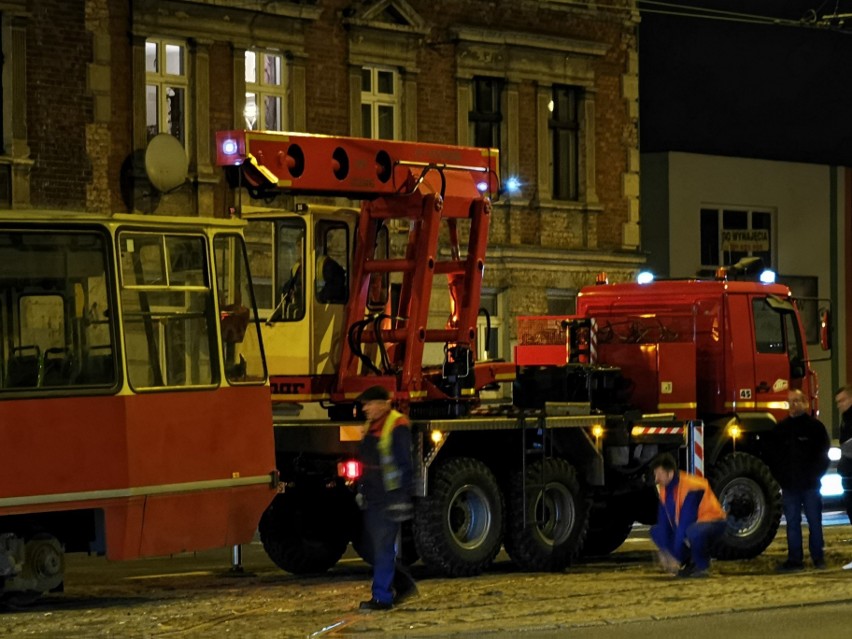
380 103
165 88
564 124
265 91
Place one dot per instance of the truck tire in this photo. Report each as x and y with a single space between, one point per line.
752 498
609 527
555 513
306 532
458 527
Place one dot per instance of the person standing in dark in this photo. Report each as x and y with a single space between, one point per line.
799 458
385 491
843 399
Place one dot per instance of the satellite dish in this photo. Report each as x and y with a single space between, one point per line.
165 162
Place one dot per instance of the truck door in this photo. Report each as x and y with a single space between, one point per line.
779 362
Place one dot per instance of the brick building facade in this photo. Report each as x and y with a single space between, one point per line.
87 83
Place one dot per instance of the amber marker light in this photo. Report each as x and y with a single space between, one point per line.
597 431
437 436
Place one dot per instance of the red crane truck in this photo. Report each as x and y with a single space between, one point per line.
349 302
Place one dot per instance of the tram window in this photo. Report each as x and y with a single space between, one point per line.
241 342
56 335
166 302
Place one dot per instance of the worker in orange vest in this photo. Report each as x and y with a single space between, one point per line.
689 521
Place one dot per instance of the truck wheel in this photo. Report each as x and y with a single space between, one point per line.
458 528
306 532
752 499
555 513
609 526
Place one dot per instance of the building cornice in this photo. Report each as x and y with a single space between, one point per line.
530 41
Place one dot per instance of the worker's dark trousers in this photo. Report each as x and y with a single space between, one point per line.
700 537
387 574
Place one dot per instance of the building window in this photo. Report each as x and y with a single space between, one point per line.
489 326
486 117
561 301
265 91
564 125
380 103
165 88
728 235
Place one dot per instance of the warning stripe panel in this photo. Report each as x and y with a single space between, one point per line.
657 430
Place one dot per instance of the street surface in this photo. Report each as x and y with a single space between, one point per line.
624 595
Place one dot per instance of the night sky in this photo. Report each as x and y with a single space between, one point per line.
725 87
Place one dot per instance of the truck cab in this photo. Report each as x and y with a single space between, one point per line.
745 346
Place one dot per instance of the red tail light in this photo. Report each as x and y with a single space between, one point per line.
349 469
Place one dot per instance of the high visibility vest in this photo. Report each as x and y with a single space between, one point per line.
391 474
709 509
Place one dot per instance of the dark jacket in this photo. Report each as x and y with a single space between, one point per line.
799 452
844 466
846 426
372 483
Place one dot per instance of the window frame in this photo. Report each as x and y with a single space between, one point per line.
480 117
262 89
206 289
571 125
495 299
161 79
323 229
707 245
376 101
77 319
230 276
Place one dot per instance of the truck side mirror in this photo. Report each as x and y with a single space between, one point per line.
825 328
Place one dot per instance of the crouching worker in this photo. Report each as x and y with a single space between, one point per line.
690 519
385 493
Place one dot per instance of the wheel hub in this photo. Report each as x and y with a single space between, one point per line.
469 516
555 514
745 504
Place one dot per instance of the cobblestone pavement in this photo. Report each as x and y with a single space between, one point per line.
197 596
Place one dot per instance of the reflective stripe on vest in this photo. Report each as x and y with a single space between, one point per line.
391 474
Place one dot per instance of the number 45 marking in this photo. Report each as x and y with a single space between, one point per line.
745 393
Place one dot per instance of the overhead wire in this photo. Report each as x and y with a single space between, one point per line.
811 19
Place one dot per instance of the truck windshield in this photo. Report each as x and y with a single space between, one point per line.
55 322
